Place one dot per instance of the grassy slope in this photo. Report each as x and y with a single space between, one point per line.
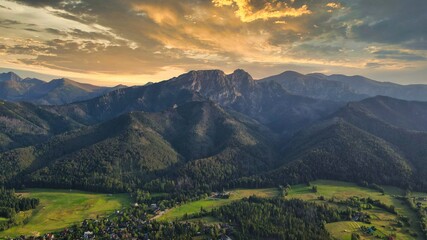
380 219
61 208
209 203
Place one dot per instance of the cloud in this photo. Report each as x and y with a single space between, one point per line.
31 30
123 37
55 32
1 6
373 65
398 55
389 22
270 9
8 22
333 5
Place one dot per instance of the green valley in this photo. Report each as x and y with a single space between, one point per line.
59 209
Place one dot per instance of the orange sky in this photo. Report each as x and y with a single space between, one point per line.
132 42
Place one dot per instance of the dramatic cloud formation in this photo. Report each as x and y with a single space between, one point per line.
273 9
136 41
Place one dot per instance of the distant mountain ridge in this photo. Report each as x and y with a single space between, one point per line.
55 92
340 87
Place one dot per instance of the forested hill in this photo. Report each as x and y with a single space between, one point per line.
339 150
197 143
381 140
24 124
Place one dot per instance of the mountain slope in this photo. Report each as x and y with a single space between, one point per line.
315 86
13 87
339 87
338 150
381 140
130 150
266 102
149 98
401 123
55 92
363 85
204 129
410 115
23 124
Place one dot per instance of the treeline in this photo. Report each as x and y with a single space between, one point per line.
371 186
9 200
256 218
166 200
366 203
10 204
416 205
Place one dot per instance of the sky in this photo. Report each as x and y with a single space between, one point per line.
110 42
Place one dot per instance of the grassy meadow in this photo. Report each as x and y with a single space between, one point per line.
59 209
210 203
384 221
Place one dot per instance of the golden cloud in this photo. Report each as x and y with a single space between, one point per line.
271 9
333 5
160 14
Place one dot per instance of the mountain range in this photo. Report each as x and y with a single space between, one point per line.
205 130
55 92
339 87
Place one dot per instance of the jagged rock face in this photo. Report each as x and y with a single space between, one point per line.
216 85
266 101
10 76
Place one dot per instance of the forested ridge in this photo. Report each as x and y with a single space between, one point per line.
256 218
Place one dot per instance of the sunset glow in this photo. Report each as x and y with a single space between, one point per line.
138 41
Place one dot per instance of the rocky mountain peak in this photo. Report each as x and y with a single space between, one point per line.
9 76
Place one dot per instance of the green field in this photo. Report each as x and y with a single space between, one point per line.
342 230
382 220
337 190
59 209
209 203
